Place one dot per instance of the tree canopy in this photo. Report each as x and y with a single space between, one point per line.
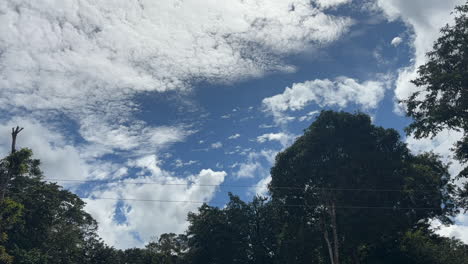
442 101
346 178
346 191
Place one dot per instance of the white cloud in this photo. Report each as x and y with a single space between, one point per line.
284 138
138 137
237 135
340 92
459 230
253 167
179 163
308 116
249 170
261 188
87 59
441 145
217 145
396 41
140 216
84 62
425 18
331 3
56 52
59 158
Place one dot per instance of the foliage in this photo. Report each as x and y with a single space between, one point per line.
239 233
336 170
54 227
422 247
323 198
442 103
10 214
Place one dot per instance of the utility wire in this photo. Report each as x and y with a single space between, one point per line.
233 186
284 205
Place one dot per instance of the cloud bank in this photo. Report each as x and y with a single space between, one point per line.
339 92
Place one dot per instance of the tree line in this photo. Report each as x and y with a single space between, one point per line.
347 191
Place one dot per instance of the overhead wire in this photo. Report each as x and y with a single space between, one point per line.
280 205
232 186
241 186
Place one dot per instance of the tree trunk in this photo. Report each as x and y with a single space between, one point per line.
14 134
336 243
329 245
356 257
6 177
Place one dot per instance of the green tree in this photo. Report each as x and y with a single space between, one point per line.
170 248
10 214
442 101
219 236
239 233
328 182
53 227
421 246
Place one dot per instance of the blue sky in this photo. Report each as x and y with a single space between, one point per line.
120 100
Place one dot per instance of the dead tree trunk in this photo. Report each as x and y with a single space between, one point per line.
14 134
7 174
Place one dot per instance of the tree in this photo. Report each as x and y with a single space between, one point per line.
345 179
442 101
10 214
170 248
53 226
219 235
420 246
239 233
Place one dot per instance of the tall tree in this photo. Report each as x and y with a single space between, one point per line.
348 178
53 227
9 164
10 214
239 233
442 100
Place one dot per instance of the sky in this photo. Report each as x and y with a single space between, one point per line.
148 108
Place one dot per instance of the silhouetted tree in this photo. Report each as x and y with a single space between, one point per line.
356 185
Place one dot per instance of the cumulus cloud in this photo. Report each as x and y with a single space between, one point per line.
249 170
283 138
59 158
396 41
261 188
459 230
217 145
339 92
441 144
64 55
147 204
331 3
82 63
237 135
257 164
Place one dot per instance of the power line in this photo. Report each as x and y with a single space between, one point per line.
233 186
284 205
